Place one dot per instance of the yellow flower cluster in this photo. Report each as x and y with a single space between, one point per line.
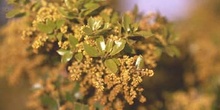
77 31
150 56
93 74
63 45
48 12
39 41
63 29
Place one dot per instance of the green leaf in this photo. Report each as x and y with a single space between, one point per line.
51 36
43 28
114 18
59 36
91 21
59 23
95 23
78 56
68 14
103 31
68 3
118 47
128 49
145 34
101 43
91 51
107 26
72 15
62 51
105 17
116 61
135 27
13 13
131 41
111 65
87 31
172 51
109 45
73 41
46 28
119 28
126 21
51 24
63 11
90 7
67 57
139 62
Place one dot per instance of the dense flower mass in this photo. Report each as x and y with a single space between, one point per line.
126 82
104 54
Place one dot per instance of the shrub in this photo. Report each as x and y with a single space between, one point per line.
82 54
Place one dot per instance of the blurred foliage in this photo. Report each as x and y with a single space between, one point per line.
196 72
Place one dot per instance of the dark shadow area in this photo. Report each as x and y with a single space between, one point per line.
3 10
